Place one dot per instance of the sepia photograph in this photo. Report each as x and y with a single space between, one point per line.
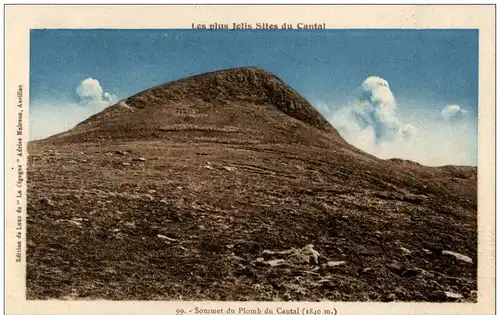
251 161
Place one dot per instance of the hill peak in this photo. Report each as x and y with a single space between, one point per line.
246 84
241 104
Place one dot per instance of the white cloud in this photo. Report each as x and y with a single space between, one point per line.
436 138
51 118
453 113
91 94
375 109
89 89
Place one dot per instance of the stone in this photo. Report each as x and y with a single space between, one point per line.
333 264
391 297
446 296
79 224
306 254
130 225
272 253
395 267
163 237
405 251
275 262
453 295
313 254
367 270
458 256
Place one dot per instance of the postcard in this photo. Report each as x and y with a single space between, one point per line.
250 159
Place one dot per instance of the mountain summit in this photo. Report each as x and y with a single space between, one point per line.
236 104
231 186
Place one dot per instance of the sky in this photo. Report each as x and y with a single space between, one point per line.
409 94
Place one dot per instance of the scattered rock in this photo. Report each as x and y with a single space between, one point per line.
140 159
390 297
304 255
473 294
275 262
446 296
458 256
163 237
367 270
259 259
395 267
378 234
72 162
129 225
208 166
428 252
400 292
405 251
229 246
126 164
151 191
115 230
308 253
334 264
237 258
287 296
121 152
278 253
79 224
229 168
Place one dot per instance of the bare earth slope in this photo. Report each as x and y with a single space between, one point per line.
230 186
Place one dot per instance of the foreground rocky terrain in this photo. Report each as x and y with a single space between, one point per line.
230 186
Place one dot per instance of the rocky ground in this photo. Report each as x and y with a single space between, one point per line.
181 200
